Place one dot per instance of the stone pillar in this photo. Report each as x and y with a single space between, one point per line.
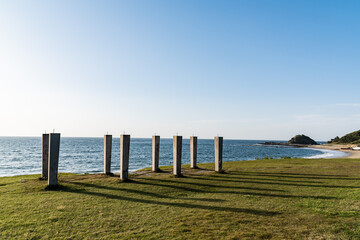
218 141
54 147
177 147
155 153
124 156
107 153
45 155
193 152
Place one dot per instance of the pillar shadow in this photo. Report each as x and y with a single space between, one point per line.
173 204
150 194
236 179
267 183
152 180
297 175
155 195
258 189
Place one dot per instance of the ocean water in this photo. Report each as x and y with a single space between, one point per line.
22 155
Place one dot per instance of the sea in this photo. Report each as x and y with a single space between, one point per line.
22 155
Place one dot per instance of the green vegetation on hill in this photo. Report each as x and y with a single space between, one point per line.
351 138
262 199
302 139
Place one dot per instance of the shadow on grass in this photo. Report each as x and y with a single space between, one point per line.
152 180
286 196
298 175
172 204
201 169
59 187
156 195
235 179
150 194
271 182
235 192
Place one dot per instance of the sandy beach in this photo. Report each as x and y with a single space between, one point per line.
338 147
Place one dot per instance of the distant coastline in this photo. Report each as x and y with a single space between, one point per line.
339 147
22 156
285 144
348 153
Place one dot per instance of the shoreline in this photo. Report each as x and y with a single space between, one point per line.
350 154
337 147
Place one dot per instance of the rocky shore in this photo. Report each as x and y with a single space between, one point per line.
297 141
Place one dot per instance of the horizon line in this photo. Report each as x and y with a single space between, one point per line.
165 138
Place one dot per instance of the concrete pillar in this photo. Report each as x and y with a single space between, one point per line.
193 151
45 156
218 141
177 147
124 156
107 153
155 153
54 147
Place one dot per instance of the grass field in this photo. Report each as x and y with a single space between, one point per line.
262 199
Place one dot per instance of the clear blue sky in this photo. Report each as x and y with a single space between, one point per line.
241 69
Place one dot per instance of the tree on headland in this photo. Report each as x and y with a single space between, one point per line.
334 140
351 138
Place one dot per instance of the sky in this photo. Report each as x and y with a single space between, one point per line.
244 69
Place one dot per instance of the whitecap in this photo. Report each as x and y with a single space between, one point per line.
326 153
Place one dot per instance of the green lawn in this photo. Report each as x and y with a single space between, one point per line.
262 199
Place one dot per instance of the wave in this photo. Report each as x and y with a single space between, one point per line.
326 153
